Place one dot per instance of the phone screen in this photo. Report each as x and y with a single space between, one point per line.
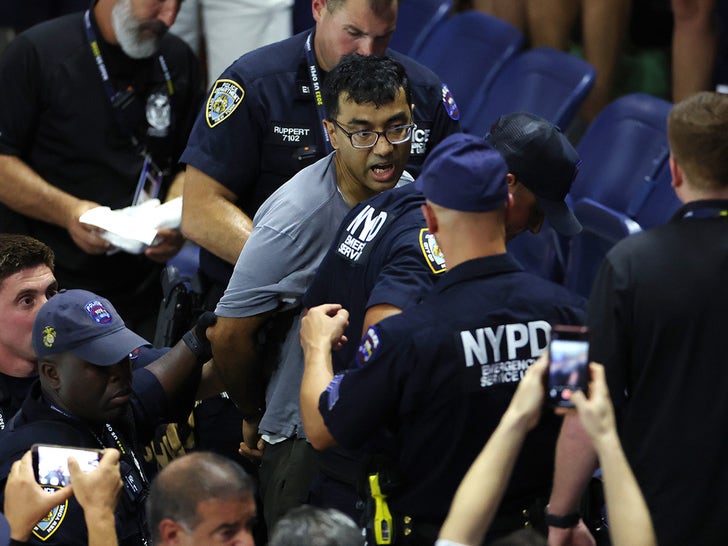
50 463
568 365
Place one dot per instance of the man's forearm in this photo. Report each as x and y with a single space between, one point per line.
27 193
237 362
317 375
210 217
576 461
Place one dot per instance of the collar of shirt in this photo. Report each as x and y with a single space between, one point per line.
479 267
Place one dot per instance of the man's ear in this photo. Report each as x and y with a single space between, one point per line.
171 532
331 130
430 218
511 181
678 179
48 371
316 7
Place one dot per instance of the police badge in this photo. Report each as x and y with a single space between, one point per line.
224 98
159 114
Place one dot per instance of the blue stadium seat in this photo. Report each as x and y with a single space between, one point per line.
543 81
466 51
624 145
655 202
415 21
603 227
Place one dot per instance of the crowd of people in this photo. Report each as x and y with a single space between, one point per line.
364 362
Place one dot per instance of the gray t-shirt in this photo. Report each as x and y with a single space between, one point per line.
292 232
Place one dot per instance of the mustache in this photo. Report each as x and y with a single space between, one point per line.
158 28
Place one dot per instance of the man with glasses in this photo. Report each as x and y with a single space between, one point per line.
369 122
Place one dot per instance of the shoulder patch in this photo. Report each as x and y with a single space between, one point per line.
369 346
224 98
448 101
432 253
45 528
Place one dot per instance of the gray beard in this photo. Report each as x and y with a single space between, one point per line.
128 32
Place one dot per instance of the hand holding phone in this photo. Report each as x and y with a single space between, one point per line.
568 364
50 462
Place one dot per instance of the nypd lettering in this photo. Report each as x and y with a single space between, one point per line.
504 352
356 241
290 135
45 528
434 257
420 137
225 97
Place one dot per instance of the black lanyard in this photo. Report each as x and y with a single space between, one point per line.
315 76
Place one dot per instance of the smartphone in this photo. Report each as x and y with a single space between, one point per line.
568 363
50 462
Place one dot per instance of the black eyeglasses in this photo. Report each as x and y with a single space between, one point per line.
368 139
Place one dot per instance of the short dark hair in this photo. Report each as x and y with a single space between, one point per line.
697 129
18 252
189 480
377 6
370 78
316 527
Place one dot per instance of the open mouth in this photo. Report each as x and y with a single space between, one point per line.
382 172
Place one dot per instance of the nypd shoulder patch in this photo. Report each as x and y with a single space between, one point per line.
46 527
432 253
224 98
448 101
369 346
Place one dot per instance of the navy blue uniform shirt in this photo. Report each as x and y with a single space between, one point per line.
382 254
441 375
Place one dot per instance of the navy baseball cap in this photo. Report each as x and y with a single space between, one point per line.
542 159
464 173
85 324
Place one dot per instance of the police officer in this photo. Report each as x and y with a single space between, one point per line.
86 398
441 373
262 123
102 102
384 258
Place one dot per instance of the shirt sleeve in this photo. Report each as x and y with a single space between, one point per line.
609 329
270 271
357 402
20 91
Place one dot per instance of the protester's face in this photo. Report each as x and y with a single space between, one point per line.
524 214
96 394
223 522
22 294
139 24
352 27
379 168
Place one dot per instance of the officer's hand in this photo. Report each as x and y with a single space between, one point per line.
26 502
252 446
98 490
167 244
322 327
527 402
574 536
87 237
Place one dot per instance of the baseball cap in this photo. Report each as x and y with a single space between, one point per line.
85 324
542 159
464 173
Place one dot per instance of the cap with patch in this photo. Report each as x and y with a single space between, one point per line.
464 173
85 324
542 159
